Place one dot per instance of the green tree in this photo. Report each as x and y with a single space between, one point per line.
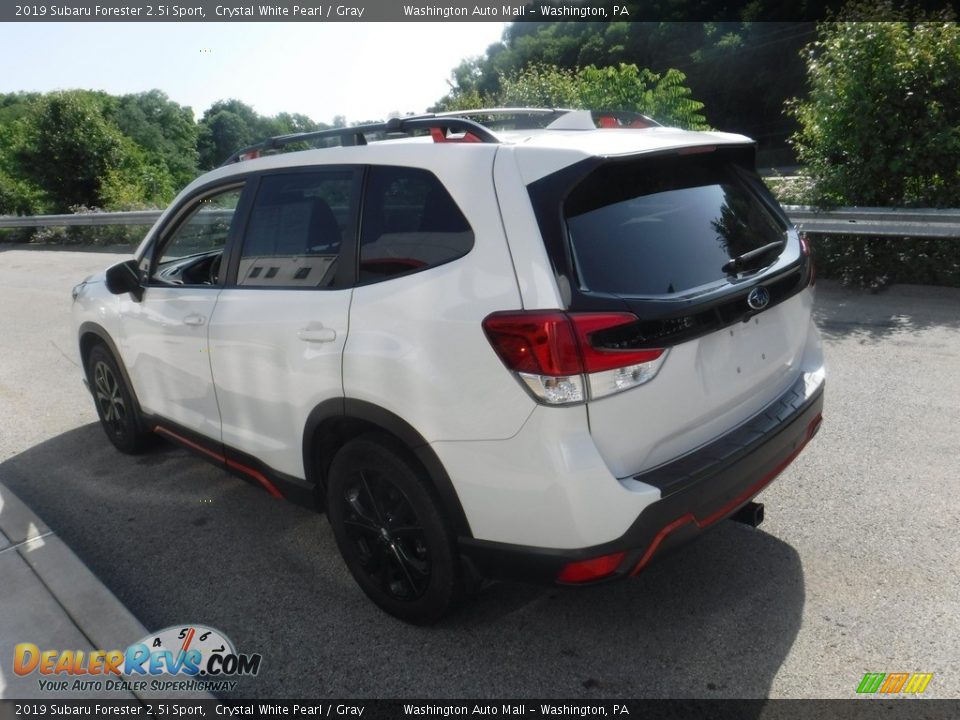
64 146
138 179
65 151
539 85
663 97
285 123
742 64
17 196
881 124
225 127
164 130
14 106
625 87
229 125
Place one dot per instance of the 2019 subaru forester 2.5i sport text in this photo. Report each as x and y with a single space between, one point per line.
503 343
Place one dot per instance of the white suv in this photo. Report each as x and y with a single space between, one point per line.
532 348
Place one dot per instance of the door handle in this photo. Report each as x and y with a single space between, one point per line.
194 319
317 333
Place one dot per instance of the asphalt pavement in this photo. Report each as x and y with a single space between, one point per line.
856 568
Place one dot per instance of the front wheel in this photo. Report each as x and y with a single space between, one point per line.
391 532
116 408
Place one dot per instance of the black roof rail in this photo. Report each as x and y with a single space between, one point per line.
504 111
439 124
572 117
514 118
357 135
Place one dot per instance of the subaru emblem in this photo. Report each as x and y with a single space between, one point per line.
758 298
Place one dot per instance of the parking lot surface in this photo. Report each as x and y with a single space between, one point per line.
856 568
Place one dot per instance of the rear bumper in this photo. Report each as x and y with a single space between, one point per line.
697 491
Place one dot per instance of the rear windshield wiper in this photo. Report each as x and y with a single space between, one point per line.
739 261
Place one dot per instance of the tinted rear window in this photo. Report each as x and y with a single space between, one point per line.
665 225
410 223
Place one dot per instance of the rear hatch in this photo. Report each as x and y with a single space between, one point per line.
690 245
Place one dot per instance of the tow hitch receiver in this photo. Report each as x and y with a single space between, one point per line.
750 514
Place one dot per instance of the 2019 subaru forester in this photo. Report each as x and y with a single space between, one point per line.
526 347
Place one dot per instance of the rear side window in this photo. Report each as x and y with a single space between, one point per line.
410 223
295 230
666 225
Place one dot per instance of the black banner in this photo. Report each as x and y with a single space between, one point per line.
313 11
411 10
861 708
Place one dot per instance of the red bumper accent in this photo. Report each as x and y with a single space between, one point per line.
729 507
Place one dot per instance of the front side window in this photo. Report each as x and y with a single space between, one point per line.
192 254
296 229
410 223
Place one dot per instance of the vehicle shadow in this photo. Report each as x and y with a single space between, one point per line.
180 541
898 310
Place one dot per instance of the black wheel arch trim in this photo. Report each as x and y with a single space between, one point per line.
369 413
92 328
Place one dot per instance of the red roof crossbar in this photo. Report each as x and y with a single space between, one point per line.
439 135
617 119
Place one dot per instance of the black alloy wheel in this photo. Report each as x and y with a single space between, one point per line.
116 407
110 402
390 530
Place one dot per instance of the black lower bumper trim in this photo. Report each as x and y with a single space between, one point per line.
696 495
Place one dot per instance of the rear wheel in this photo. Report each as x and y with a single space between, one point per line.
119 416
391 532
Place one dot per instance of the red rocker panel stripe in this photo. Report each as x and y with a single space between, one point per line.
233 464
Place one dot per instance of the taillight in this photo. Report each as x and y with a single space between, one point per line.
559 359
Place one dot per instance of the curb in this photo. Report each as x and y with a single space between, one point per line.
55 591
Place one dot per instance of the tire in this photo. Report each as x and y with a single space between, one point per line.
391 531
117 409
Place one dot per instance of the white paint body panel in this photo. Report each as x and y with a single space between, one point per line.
168 359
267 377
547 486
705 388
416 344
537 282
544 153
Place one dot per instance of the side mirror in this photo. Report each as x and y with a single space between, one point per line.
125 278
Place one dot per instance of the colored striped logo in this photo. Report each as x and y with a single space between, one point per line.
893 683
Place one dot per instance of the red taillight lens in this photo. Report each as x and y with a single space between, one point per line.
534 342
543 342
597 359
556 356
592 569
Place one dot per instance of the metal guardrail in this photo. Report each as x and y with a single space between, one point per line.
885 222
877 222
132 217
